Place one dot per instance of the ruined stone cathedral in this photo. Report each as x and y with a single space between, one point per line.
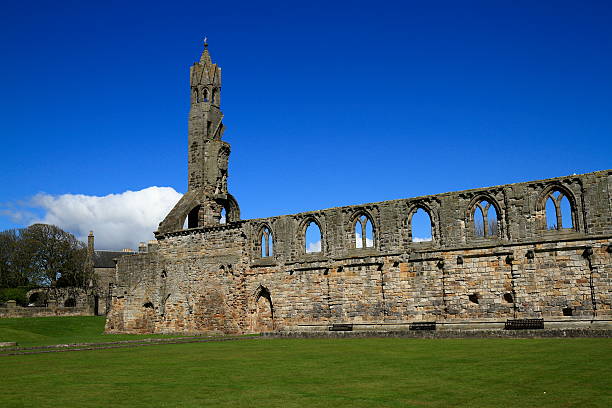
492 255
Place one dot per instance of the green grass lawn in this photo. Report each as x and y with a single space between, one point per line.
317 373
40 331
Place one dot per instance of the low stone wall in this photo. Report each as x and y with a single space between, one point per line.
11 310
456 324
450 334
67 297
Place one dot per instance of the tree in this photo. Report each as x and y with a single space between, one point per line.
52 256
12 273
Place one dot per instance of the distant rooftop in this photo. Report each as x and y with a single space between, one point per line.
104 259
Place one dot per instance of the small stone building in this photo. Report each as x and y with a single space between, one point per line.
94 299
535 249
104 273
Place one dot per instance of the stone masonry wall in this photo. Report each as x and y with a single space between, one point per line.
214 279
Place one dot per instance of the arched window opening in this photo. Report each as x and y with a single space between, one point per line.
196 95
223 218
70 302
364 232
266 243
551 214
478 222
486 222
558 211
215 96
420 226
193 217
313 238
205 95
566 213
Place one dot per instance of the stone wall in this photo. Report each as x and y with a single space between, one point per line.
62 297
214 278
105 278
10 309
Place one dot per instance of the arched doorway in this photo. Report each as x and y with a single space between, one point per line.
263 311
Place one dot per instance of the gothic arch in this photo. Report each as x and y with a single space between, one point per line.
192 217
262 310
303 226
264 241
357 218
232 210
191 200
412 210
543 197
471 209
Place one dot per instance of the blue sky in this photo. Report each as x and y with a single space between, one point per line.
326 103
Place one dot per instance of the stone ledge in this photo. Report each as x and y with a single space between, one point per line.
448 334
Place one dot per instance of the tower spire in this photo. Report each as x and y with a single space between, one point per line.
205 57
207 198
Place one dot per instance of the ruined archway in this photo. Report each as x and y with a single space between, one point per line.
186 212
262 311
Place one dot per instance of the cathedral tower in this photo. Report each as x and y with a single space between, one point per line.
207 201
206 128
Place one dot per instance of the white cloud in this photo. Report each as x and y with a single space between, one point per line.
118 220
314 247
359 242
417 239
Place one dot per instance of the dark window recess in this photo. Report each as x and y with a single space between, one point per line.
473 298
193 218
568 311
148 305
70 302
524 324
508 297
341 327
422 326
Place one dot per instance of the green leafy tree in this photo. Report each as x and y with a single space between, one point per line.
13 271
52 256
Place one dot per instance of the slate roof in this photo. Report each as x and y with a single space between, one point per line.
104 259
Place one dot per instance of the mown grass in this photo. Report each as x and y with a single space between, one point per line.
319 373
40 331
